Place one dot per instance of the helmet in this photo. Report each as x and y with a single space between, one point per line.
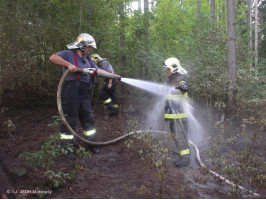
83 40
174 65
96 58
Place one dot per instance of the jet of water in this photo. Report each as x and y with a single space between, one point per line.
155 88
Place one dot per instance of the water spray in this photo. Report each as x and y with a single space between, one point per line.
154 88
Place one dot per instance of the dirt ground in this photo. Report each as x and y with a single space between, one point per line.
118 171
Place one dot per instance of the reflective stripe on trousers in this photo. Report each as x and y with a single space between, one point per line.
175 116
184 152
64 136
107 101
90 132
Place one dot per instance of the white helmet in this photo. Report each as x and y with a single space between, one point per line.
174 65
83 40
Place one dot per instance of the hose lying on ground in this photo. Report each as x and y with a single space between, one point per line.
59 105
219 176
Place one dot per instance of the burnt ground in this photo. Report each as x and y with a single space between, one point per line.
123 170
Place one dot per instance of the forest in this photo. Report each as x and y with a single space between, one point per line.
222 45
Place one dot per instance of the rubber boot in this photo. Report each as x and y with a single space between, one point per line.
111 111
94 149
183 162
114 112
108 109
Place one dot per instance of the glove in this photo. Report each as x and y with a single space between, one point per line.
94 72
182 86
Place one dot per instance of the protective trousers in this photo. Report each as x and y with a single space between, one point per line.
76 104
179 135
109 96
179 129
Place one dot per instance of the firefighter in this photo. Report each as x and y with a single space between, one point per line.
174 111
76 89
108 92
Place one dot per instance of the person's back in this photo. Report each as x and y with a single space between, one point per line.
108 92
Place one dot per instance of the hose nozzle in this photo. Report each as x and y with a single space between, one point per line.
93 71
108 75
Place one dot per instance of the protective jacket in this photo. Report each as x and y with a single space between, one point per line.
109 96
174 112
76 98
173 108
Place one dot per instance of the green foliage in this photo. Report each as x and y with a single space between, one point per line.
81 152
56 122
151 150
20 171
34 31
129 143
56 180
45 157
234 155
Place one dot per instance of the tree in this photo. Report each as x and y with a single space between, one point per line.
147 32
198 8
212 6
139 5
231 54
249 27
256 37
122 32
262 18
1 48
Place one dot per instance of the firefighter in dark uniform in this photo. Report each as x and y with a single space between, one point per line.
174 111
76 90
108 92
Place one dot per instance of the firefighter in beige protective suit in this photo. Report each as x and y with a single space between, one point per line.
174 112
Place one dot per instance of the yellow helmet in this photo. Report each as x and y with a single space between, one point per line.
96 58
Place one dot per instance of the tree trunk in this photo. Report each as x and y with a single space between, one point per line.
147 33
256 37
249 29
1 55
212 6
231 54
198 8
122 33
1 84
139 5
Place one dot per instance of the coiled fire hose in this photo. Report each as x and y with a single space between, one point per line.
91 71
59 105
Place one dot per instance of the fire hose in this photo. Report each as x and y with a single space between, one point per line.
61 113
112 76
